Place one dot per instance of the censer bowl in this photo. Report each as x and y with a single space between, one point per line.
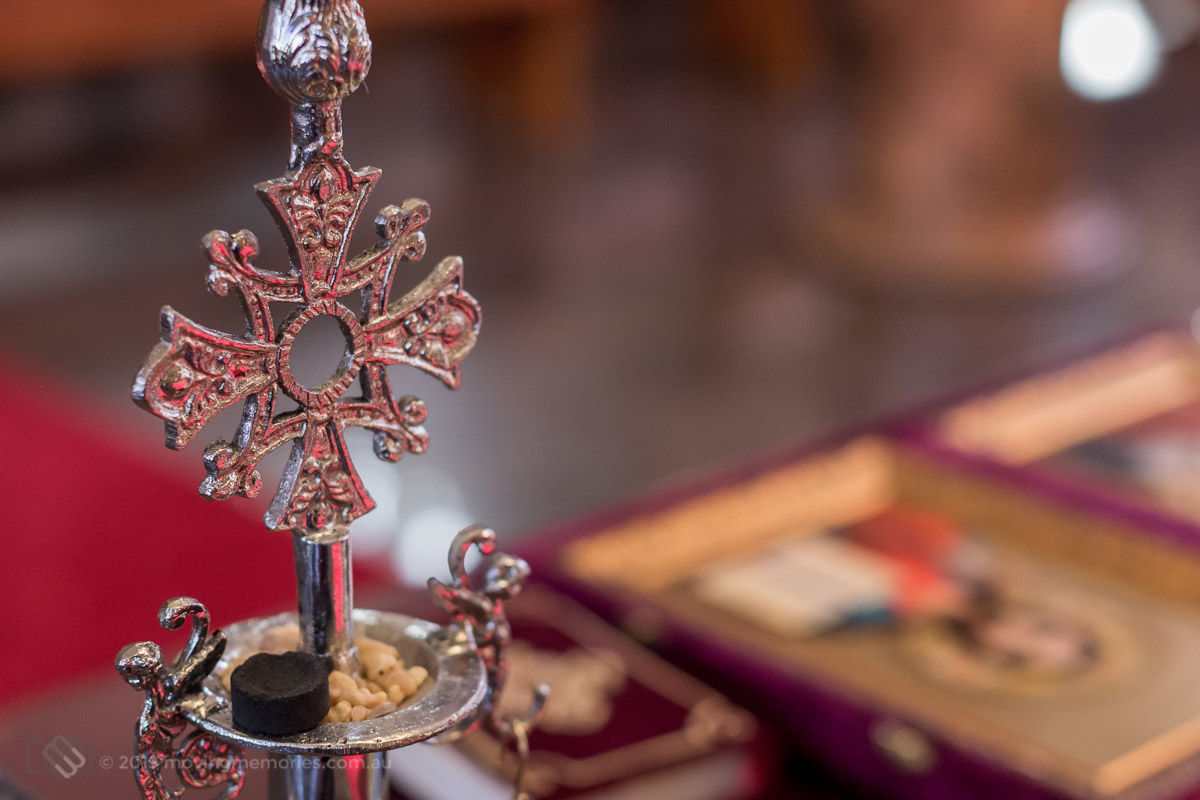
456 686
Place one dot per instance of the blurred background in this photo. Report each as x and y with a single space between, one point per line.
699 229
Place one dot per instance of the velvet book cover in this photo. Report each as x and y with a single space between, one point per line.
620 722
922 627
1121 426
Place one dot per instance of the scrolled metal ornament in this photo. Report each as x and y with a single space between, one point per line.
314 53
200 761
482 613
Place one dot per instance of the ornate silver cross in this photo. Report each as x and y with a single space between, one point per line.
314 55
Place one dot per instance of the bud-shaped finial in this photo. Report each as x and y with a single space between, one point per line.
314 53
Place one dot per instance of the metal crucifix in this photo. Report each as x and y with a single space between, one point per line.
197 372
314 53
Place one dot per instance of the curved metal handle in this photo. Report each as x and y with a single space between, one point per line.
481 612
200 760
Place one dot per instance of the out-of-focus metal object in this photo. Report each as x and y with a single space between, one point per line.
315 53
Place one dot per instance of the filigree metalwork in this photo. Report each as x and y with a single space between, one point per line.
314 53
200 760
481 612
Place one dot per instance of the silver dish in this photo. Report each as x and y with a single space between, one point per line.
456 686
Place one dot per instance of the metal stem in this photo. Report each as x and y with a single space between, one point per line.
316 128
315 53
347 778
325 593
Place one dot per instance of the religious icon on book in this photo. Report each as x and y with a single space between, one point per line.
953 604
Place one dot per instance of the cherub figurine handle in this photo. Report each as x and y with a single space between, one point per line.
201 761
482 613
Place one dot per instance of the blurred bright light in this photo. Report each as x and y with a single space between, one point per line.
1109 48
374 534
415 518
424 542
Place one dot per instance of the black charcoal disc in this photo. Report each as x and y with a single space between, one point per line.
279 695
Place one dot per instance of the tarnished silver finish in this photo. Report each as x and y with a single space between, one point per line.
201 760
481 612
456 687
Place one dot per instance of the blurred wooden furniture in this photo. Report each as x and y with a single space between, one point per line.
779 44
964 169
547 61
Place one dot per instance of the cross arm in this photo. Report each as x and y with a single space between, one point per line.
195 373
433 327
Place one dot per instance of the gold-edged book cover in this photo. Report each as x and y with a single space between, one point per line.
1126 726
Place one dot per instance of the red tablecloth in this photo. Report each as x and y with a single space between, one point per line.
97 533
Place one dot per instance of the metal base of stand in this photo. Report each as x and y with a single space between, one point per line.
361 777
